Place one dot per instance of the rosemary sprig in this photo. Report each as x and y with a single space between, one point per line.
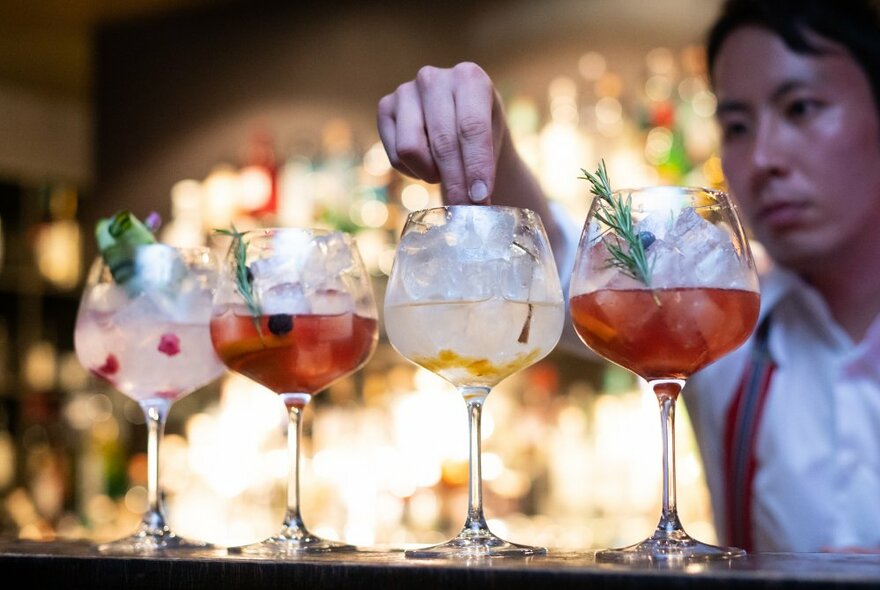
243 277
631 259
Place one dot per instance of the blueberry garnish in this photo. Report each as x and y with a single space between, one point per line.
280 323
646 238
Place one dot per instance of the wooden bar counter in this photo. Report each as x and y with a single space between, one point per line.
74 564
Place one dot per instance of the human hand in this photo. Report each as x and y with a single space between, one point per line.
446 126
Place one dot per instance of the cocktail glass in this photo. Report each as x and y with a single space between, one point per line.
294 311
474 297
663 284
148 337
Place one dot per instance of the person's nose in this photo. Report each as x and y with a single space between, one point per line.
768 150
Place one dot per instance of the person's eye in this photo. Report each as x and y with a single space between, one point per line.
802 108
733 129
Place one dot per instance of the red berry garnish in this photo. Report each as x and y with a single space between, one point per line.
110 366
169 344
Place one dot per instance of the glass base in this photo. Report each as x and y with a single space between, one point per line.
289 546
670 548
148 541
470 544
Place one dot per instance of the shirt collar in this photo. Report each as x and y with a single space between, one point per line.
780 285
777 284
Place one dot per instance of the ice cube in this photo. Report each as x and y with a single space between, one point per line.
326 258
481 233
668 264
106 297
422 265
337 327
709 318
475 280
290 242
462 259
274 270
600 273
286 298
495 228
157 266
692 252
683 328
425 278
192 306
331 302
239 309
624 315
491 325
464 236
721 267
145 307
519 276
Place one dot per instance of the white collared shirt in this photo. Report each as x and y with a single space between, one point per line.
817 484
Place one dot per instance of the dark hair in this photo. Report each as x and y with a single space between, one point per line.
854 24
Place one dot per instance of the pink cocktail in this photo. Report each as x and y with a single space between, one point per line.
148 336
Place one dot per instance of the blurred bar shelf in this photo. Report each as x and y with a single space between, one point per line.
75 564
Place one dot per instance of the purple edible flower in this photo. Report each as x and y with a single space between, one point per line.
153 221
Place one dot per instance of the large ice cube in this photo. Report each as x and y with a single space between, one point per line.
463 259
490 325
518 278
331 302
286 298
422 265
600 273
668 264
495 229
474 280
145 307
425 278
480 233
192 306
106 297
239 309
274 270
188 302
338 327
709 318
687 251
156 267
621 316
696 253
327 258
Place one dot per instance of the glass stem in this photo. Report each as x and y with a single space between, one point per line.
474 397
667 393
155 413
295 403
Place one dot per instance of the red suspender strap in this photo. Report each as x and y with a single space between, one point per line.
740 433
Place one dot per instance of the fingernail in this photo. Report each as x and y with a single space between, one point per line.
479 191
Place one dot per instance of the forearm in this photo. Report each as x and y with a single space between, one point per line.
516 186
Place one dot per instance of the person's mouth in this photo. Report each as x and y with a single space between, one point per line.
780 215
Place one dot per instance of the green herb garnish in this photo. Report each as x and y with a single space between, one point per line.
627 250
243 277
117 238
